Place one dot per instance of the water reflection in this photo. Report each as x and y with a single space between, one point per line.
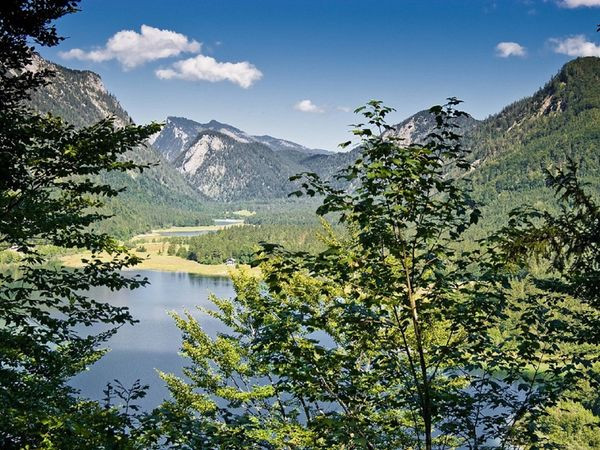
182 233
153 343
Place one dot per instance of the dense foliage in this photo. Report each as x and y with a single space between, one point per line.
48 195
389 330
392 337
243 242
566 244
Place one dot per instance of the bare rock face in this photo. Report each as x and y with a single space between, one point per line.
226 168
225 163
78 96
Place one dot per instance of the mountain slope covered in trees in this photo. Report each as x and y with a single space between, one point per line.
159 195
512 149
214 161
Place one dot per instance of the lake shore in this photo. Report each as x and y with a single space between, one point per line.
155 257
166 263
200 229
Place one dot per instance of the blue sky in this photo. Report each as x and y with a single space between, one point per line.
294 68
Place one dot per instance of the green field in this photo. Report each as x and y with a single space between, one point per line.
156 259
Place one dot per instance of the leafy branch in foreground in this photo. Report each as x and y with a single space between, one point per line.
567 245
49 195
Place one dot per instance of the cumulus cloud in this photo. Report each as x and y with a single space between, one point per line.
579 3
575 46
308 106
205 68
506 49
133 49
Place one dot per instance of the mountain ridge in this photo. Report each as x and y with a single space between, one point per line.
224 168
215 161
512 149
159 195
179 131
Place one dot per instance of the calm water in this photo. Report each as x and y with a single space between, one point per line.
227 221
218 222
182 233
153 343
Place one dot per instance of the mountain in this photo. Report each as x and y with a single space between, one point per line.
77 96
417 127
511 149
236 166
224 167
225 163
413 130
216 161
178 133
159 195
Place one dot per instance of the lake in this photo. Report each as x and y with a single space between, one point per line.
153 343
221 222
183 233
193 231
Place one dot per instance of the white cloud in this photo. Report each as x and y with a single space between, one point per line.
506 49
579 3
308 106
205 68
576 46
344 109
132 49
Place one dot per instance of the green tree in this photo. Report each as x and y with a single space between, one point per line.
569 425
23 20
49 195
171 249
568 244
394 336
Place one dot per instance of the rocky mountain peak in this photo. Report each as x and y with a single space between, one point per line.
78 96
417 127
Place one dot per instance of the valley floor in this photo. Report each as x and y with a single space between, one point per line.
164 263
152 248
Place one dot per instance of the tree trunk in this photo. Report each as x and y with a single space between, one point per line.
426 394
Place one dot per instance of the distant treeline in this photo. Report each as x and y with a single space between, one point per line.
242 242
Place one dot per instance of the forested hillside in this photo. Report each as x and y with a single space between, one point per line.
512 148
158 196
203 162
242 243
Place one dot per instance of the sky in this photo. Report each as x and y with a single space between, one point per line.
296 69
